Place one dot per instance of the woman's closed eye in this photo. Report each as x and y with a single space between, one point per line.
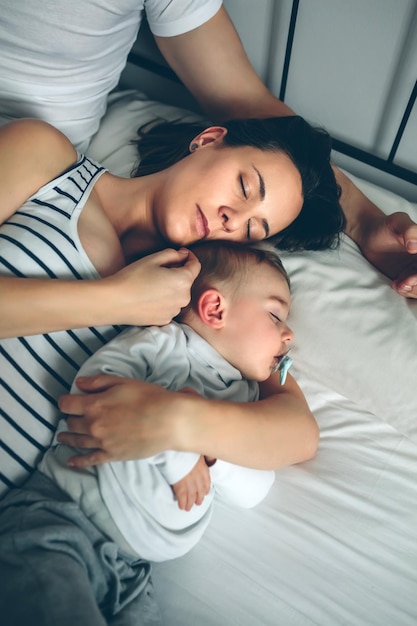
248 233
243 187
257 229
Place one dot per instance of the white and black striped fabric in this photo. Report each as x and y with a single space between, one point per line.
41 240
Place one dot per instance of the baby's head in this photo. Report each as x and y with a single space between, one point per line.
239 304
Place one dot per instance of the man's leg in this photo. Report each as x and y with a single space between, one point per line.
48 569
58 568
46 589
142 611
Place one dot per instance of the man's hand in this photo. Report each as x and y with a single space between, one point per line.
193 488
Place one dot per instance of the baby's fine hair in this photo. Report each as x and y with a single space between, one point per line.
226 265
321 219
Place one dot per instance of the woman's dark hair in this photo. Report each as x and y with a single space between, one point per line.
321 219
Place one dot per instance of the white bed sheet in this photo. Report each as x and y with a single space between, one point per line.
335 542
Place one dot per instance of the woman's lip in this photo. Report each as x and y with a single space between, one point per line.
202 224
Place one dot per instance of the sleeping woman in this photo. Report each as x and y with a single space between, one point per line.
85 252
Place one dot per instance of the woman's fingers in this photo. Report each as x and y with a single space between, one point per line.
154 289
405 229
122 418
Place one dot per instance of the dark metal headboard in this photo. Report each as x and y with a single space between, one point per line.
385 165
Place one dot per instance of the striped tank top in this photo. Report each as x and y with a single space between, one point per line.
41 240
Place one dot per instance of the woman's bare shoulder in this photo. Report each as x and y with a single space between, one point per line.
32 153
31 140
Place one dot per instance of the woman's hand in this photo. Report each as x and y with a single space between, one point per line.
391 246
389 242
154 289
193 488
118 419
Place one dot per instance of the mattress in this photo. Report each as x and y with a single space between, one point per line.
335 541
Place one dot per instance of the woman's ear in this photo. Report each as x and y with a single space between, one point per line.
212 308
213 134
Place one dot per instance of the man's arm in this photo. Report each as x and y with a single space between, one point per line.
211 62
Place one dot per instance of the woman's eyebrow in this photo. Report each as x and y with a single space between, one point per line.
261 183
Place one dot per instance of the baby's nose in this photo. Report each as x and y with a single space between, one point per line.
287 335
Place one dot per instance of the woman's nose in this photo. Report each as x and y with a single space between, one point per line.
232 219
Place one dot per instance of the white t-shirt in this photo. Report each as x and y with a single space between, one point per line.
59 60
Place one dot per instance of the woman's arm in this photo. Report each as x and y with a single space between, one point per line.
124 419
146 292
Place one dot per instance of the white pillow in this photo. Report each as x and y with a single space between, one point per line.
353 332
126 112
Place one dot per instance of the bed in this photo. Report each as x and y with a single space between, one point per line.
335 541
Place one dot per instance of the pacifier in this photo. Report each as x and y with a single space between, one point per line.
283 366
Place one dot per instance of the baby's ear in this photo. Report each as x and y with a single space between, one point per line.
211 308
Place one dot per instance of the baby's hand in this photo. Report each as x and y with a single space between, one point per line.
193 488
